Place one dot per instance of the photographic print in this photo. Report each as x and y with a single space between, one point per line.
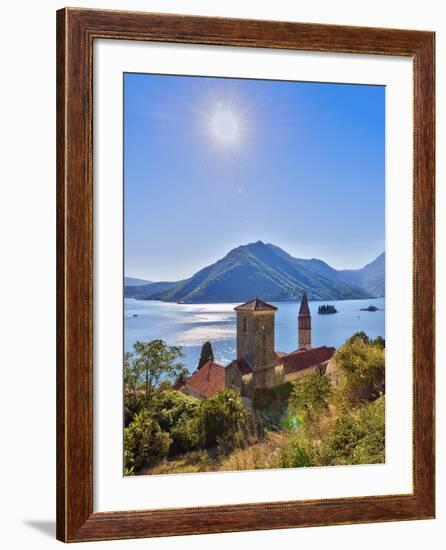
235 200
254 288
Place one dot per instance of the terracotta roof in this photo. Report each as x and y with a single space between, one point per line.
255 305
243 366
304 359
304 309
180 383
208 380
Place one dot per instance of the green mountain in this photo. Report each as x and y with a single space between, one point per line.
151 291
132 281
371 277
263 270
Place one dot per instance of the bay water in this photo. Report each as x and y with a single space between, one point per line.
190 325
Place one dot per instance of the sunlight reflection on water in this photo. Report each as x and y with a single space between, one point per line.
190 325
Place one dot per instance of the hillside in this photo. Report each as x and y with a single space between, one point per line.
371 277
265 270
132 281
151 291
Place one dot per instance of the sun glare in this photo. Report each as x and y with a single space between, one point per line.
225 126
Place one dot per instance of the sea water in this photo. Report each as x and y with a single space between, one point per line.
190 325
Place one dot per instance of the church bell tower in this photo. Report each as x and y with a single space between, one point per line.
304 325
255 333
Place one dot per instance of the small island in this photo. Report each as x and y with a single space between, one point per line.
326 309
370 308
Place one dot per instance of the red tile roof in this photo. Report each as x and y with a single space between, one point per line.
208 380
304 359
255 305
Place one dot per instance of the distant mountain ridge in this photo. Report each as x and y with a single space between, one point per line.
266 270
132 281
371 277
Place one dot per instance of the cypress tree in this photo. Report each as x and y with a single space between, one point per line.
206 354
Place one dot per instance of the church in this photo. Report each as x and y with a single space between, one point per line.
258 364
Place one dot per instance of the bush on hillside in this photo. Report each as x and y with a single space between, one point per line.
133 404
272 400
361 363
356 438
223 420
171 405
186 435
145 443
310 395
294 453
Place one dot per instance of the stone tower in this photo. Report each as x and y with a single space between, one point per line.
304 324
255 333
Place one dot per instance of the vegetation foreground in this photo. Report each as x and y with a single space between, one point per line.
315 421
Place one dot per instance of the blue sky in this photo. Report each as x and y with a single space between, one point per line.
213 163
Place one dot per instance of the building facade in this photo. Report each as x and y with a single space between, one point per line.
258 364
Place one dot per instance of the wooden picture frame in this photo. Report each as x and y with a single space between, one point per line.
76 31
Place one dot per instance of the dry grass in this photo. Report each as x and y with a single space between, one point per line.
193 462
263 455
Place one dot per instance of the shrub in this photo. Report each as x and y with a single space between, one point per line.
145 444
362 365
310 395
294 453
178 414
356 438
170 406
272 400
186 435
223 420
134 402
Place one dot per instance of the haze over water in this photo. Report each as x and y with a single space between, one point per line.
190 325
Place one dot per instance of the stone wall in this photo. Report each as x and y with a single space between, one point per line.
255 338
233 377
321 368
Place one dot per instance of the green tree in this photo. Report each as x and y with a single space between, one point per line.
207 354
178 414
154 362
361 335
310 396
130 376
145 444
379 342
361 363
356 438
133 399
223 420
186 435
169 406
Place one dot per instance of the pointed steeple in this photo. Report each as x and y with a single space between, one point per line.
304 325
304 309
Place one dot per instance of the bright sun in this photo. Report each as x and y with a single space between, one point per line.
225 127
